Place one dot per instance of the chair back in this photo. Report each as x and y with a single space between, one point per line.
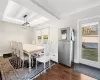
16 48
46 49
20 45
12 46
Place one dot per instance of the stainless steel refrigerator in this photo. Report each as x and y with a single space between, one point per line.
65 47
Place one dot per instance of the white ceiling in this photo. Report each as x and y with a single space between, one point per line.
15 12
39 11
66 7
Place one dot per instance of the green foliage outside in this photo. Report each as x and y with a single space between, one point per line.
45 36
90 54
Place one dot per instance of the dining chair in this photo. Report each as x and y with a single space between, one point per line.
15 53
46 57
12 47
12 51
23 57
17 49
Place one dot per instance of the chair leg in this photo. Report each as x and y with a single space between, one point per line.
19 60
32 62
16 61
36 64
44 68
22 64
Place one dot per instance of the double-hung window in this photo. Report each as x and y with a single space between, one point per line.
42 36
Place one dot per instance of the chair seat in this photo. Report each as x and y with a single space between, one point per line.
43 59
25 57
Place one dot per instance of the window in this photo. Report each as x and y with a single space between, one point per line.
42 36
38 37
45 33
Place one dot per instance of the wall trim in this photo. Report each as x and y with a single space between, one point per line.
79 10
88 18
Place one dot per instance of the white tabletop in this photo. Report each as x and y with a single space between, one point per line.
32 48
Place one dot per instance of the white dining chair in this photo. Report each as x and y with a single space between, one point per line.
12 47
23 57
15 52
45 58
16 47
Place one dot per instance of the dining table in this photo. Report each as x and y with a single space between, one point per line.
31 49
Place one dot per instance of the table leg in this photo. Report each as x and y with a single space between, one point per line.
29 63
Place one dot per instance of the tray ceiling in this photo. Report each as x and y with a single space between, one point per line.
15 12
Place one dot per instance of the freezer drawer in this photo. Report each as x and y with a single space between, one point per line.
65 52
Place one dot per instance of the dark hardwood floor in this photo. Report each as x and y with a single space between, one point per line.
0 76
60 72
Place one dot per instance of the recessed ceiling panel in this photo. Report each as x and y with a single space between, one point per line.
15 13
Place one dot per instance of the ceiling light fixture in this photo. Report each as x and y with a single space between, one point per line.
26 24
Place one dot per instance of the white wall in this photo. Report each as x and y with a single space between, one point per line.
9 31
53 33
69 21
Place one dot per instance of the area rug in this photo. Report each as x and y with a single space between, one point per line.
14 61
11 73
24 74
87 70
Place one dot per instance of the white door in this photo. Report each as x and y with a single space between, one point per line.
89 35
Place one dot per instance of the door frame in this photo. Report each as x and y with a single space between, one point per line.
79 44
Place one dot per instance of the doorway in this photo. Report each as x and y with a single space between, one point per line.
89 42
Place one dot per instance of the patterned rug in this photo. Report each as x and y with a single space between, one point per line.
13 72
15 62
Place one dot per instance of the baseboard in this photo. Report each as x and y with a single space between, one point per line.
76 61
54 61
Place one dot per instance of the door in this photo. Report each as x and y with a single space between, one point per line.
67 53
90 42
61 51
